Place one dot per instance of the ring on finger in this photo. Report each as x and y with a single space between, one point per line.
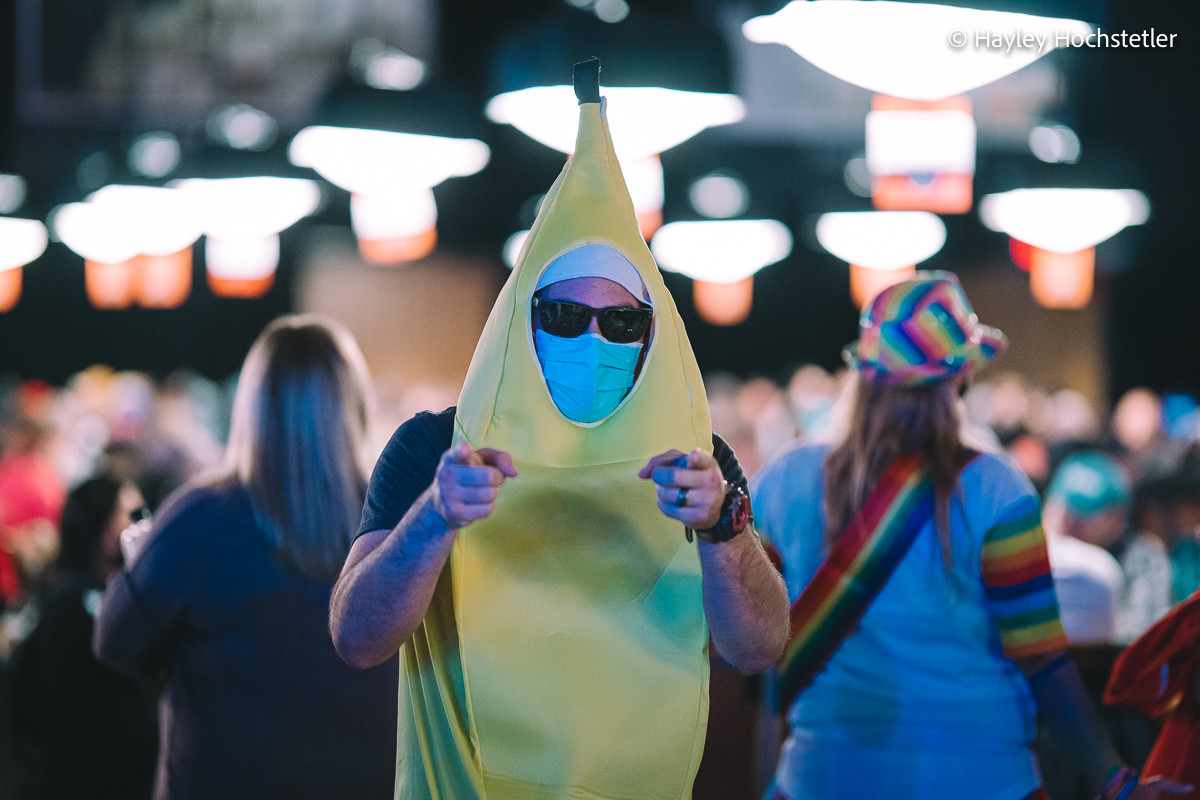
681 498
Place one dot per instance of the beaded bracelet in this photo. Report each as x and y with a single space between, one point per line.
1121 782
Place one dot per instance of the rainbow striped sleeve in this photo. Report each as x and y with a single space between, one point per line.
1017 585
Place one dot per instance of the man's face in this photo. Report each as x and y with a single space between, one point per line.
590 335
1102 530
594 292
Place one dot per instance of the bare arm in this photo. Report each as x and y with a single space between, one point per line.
1070 715
745 600
389 577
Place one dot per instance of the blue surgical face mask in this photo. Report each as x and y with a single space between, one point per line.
588 376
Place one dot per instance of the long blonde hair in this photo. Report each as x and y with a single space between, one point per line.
887 421
296 439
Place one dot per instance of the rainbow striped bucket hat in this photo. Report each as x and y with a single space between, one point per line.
920 331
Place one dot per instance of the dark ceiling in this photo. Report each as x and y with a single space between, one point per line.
1135 110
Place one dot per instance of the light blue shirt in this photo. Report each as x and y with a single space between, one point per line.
919 701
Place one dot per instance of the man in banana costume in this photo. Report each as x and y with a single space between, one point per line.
524 550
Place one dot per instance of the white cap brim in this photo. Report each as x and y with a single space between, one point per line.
595 261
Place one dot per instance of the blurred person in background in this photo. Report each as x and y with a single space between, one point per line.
1087 582
811 392
1010 406
84 731
1142 441
1167 504
228 597
1136 423
926 631
1067 419
1089 499
1112 583
1003 406
765 406
31 500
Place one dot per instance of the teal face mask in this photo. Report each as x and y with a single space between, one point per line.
588 376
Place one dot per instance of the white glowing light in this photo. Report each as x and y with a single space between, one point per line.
881 240
249 258
611 10
161 220
1055 144
914 50
118 222
155 154
393 215
512 248
719 196
395 71
242 127
643 121
644 178
721 251
250 207
920 142
12 192
96 232
367 161
384 67
21 241
1064 220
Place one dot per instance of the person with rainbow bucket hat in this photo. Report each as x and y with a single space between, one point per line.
925 628
530 551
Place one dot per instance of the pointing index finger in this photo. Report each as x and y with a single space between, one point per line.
498 459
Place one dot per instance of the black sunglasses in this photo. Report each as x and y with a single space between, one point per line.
620 324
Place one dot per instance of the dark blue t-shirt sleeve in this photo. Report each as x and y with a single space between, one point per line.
405 468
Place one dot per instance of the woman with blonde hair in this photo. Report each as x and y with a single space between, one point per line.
925 629
228 597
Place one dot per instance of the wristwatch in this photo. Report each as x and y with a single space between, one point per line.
735 517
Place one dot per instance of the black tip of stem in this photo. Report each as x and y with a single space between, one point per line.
587 81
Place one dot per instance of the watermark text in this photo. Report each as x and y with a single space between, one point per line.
1045 41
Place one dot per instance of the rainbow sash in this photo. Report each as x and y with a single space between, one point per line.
857 567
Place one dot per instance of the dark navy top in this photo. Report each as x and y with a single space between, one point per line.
257 702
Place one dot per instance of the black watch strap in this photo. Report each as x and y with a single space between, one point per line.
735 517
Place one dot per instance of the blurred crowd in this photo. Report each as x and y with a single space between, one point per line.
1138 464
1152 440
156 433
162 433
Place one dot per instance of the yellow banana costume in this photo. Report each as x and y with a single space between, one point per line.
565 652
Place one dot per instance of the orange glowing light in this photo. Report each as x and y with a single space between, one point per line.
241 267
398 249
241 288
1062 280
865 283
723 303
164 281
10 288
940 194
110 286
887 102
